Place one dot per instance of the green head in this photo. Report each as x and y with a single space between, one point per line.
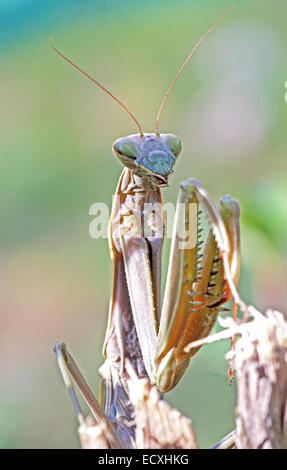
150 156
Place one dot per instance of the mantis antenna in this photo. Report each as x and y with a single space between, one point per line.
97 83
185 64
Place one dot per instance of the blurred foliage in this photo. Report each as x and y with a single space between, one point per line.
57 129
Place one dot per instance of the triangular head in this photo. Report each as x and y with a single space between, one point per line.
149 155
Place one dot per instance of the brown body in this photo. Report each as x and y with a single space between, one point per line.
150 336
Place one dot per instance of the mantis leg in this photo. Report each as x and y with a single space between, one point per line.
125 337
227 442
69 370
138 273
196 283
136 256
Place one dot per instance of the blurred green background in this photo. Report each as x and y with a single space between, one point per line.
57 129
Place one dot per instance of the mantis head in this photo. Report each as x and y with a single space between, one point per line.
150 156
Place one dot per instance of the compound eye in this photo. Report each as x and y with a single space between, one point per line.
173 143
126 148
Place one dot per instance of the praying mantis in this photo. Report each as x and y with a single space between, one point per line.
151 334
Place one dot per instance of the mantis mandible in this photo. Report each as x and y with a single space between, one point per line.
150 334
